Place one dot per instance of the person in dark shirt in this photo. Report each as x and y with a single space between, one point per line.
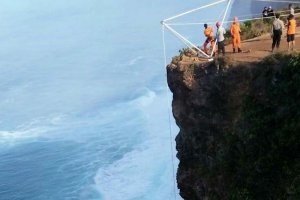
265 12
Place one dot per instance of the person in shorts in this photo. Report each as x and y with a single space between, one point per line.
291 31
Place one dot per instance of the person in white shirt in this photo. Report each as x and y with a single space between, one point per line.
277 28
220 38
291 8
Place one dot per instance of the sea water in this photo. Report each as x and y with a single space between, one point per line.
84 105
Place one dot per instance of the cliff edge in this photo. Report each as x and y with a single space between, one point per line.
239 128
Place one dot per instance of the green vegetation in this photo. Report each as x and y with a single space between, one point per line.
251 29
258 27
254 28
262 159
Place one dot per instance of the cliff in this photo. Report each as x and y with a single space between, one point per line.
239 128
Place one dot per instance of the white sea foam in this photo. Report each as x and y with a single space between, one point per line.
145 173
145 99
135 60
36 128
137 174
11 138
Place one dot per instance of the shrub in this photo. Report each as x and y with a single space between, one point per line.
263 158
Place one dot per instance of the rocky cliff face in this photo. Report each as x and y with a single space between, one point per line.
239 133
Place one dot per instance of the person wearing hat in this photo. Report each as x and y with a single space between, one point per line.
277 28
220 38
235 31
291 31
208 32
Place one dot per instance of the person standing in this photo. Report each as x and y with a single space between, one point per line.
270 12
277 28
291 9
265 12
220 38
208 32
235 31
291 31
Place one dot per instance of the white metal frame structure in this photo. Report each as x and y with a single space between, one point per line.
165 24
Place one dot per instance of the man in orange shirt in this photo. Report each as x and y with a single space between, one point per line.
291 31
208 32
235 34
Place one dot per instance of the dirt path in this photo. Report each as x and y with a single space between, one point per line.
253 50
257 48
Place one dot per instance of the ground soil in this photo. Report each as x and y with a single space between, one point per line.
253 50
257 48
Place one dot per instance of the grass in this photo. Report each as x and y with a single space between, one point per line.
258 27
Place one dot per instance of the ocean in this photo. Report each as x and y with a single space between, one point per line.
84 104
